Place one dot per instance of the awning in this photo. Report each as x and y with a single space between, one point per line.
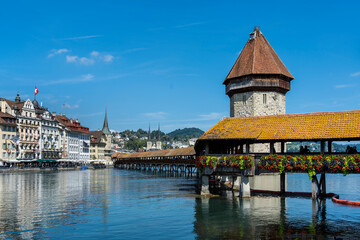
26 160
46 160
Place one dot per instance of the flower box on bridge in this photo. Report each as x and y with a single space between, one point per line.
311 164
225 165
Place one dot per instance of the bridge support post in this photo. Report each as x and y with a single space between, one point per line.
245 187
237 186
323 184
282 183
315 185
205 185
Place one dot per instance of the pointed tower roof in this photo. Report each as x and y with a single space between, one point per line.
17 99
105 128
257 57
159 137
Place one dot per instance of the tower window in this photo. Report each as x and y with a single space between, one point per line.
264 98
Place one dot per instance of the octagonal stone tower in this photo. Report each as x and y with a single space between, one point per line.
258 81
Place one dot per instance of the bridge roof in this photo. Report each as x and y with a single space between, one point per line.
161 153
343 125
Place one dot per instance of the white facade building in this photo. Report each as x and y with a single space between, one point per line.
29 131
75 139
50 141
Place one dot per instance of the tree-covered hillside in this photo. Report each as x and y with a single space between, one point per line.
137 139
186 133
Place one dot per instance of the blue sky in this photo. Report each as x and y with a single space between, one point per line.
165 61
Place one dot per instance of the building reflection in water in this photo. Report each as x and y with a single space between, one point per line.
264 218
31 201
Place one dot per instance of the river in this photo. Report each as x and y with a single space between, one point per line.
120 204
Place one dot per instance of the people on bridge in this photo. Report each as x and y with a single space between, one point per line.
304 149
351 150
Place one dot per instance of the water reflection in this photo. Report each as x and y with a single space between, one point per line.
120 204
36 200
267 218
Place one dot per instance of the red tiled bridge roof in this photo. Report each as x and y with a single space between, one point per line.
343 125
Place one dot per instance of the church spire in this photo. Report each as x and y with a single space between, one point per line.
105 128
149 134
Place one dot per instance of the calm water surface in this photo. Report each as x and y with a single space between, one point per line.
120 204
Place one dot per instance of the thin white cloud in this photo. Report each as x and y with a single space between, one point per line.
200 118
156 115
68 106
57 52
94 53
211 116
88 77
80 60
355 74
345 86
84 78
189 25
86 61
164 71
135 50
108 58
82 37
71 59
90 114
95 56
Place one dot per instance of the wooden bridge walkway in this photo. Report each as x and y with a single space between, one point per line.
169 160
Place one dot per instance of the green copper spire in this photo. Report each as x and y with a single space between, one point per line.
105 128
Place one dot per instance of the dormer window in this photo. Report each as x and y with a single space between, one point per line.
252 35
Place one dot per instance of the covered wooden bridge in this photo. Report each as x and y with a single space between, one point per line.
263 136
171 160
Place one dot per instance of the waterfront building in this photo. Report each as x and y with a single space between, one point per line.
38 134
76 137
28 125
101 141
29 132
50 141
8 137
97 145
11 107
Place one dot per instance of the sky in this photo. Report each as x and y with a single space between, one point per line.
165 61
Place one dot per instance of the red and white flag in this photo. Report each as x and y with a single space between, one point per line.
36 90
